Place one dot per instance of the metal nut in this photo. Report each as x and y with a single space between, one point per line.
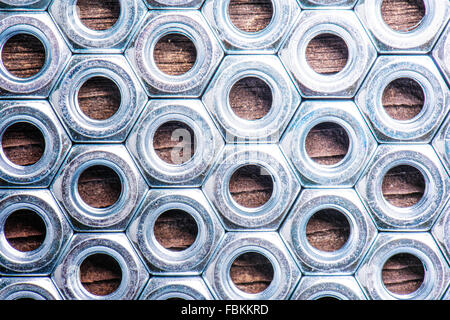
189 23
28 288
85 217
441 53
268 244
436 104
441 231
285 187
420 245
441 143
42 260
186 288
24 4
208 142
421 215
361 53
65 98
57 144
284 96
336 287
116 245
41 26
362 144
82 39
419 40
174 4
267 40
327 4
344 260
160 260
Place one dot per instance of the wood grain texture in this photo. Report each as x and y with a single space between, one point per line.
252 102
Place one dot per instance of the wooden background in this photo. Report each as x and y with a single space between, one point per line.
250 99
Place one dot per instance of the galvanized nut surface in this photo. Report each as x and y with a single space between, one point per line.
64 98
421 215
420 245
285 187
267 40
441 143
160 260
41 26
341 23
361 148
344 260
285 98
441 53
335 287
85 217
174 4
185 288
82 39
24 4
57 144
116 245
441 231
34 288
183 171
327 4
268 244
42 260
418 40
422 127
188 23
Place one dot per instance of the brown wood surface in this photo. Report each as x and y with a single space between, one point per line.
250 100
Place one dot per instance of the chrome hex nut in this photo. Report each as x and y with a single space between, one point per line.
190 23
335 287
421 69
422 246
174 4
34 288
57 144
421 215
284 96
81 39
41 261
115 245
419 40
183 172
268 244
186 288
41 26
272 162
327 4
344 260
441 53
441 143
84 217
267 40
27 5
160 260
361 53
441 231
362 143
64 98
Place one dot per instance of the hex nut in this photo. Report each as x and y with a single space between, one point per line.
441 143
327 4
361 53
81 39
42 260
285 187
174 4
41 26
286 273
362 144
344 260
436 104
65 98
57 144
84 217
421 215
35 288
335 287
183 172
162 261
284 96
420 245
267 40
24 4
418 40
186 288
441 231
441 53
116 245
189 23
